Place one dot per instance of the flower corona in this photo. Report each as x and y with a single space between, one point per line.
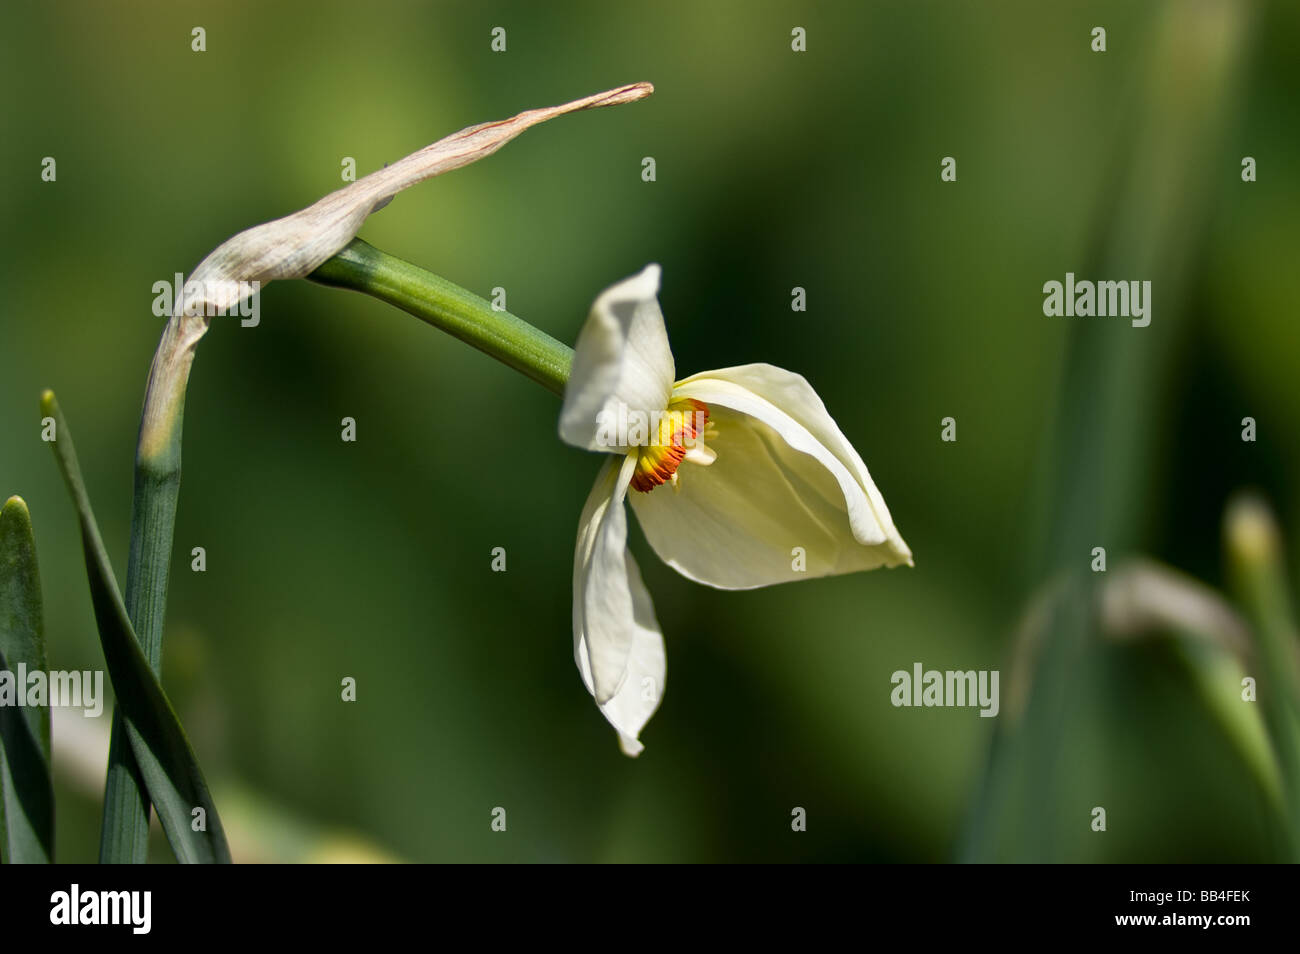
682 431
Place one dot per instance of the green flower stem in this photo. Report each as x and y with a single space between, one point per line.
124 835
462 314
361 267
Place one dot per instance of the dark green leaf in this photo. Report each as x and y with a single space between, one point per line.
167 763
26 794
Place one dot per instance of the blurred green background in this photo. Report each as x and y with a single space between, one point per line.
774 169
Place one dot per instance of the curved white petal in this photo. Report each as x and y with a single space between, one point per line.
786 498
621 366
616 639
647 666
602 598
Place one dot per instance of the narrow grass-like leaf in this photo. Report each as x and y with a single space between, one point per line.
1257 576
1144 599
290 247
167 764
26 793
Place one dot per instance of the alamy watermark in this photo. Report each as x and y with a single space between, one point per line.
73 690
1085 299
210 299
951 688
131 909
630 428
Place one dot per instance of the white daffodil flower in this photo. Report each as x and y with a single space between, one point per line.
763 488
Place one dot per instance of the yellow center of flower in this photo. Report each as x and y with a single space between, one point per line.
680 436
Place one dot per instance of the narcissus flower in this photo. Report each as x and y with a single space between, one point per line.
739 478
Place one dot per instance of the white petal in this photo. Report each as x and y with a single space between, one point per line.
622 364
784 477
616 639
603 618
633 705
647 669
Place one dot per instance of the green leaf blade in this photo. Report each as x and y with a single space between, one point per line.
26 791
167 763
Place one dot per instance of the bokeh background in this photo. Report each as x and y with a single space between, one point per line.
774 169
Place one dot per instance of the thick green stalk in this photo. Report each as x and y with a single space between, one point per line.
462 314
361 267
124 836
292 247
